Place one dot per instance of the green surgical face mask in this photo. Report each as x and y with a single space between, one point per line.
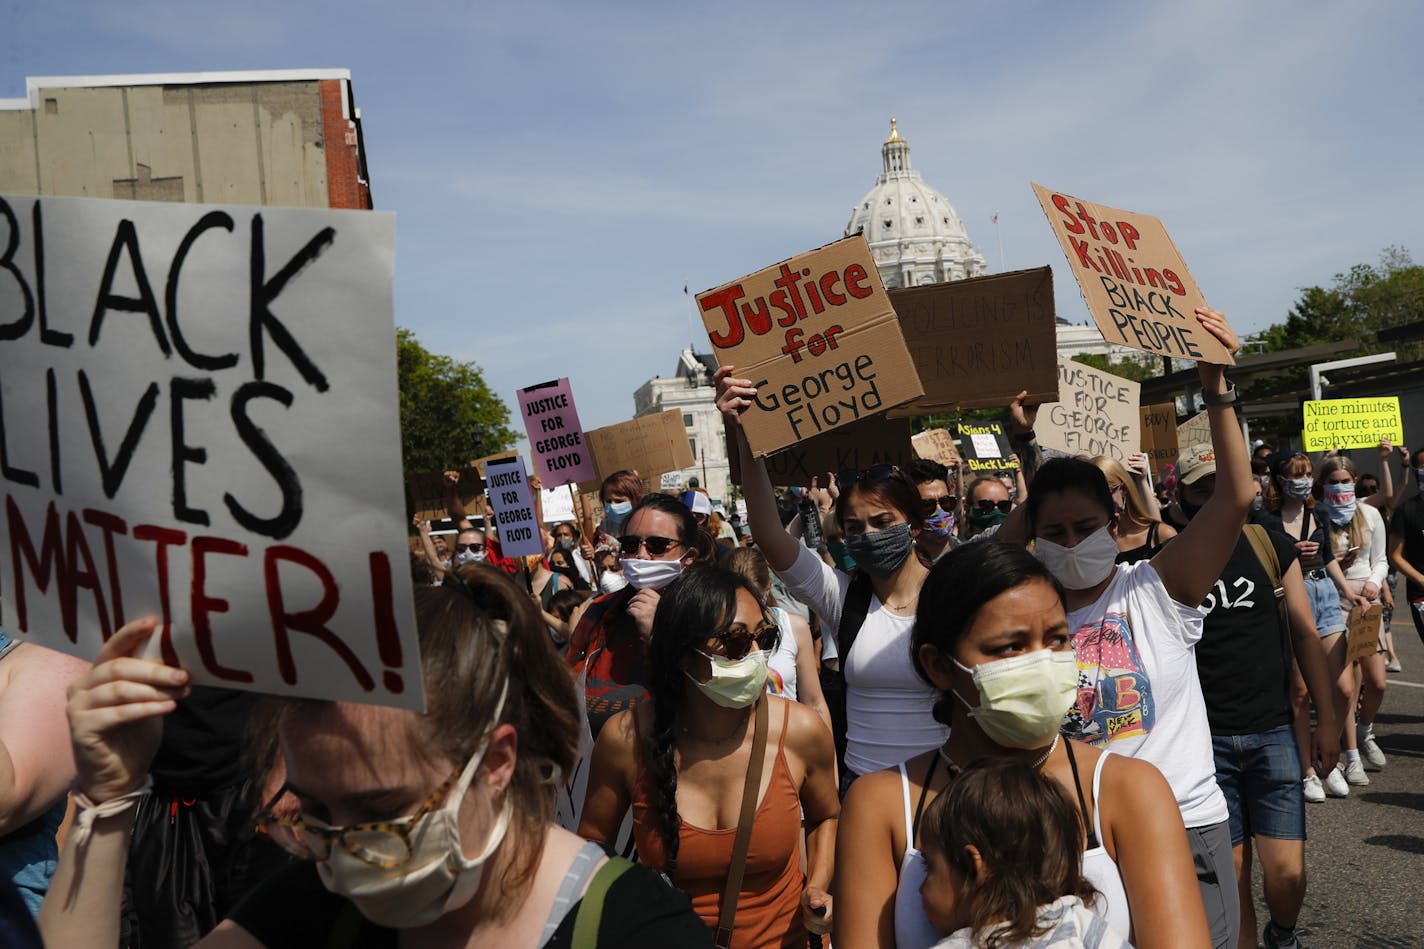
735 683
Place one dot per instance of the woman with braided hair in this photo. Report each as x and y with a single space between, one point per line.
681 761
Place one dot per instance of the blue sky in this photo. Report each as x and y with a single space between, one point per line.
561 170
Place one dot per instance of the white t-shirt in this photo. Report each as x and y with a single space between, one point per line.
1370 562
1138 691
888 706
781 665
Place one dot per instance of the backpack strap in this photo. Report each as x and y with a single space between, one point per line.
853 613
590 911
1260 540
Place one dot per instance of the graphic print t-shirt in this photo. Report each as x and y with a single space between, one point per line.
1138 692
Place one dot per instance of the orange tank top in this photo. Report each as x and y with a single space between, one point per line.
769 907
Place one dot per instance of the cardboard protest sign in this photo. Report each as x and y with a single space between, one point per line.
877 440
1364 631
1194 431
985 448
1159 436
519 530
429 494
670 481
1351 423
1096 413
199 422
1133 279
555 435
557 504
479 463
648 444
977 343
818 337
936 444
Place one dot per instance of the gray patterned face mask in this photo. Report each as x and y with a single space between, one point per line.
880 553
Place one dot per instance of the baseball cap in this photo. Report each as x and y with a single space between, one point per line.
696 502
1196 463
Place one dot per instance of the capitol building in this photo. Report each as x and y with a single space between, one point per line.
916 237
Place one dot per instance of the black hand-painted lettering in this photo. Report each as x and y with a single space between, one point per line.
170 296
264 292
112 473
278 467
52 423
183 453
126 241
47 336
12 472
21 326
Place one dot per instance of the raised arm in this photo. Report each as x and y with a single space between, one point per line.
1193 562
36 766
1385 495
779 547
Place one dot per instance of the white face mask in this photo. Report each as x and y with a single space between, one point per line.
1022 699
436 879
650 574
735 683
612 581
1084 566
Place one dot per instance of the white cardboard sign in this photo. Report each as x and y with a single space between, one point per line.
198 422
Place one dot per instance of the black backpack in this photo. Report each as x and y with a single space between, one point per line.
833 684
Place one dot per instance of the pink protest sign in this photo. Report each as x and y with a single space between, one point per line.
555 435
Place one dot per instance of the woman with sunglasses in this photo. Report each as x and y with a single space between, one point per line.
986 505
609 642
410 829
1357 533
1139 533
682 762
1291 509
879 511
992 639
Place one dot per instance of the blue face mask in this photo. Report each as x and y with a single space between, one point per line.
615 514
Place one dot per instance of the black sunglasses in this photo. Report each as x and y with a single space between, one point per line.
736 641
947 504
657 546
984 504
463 547
875 474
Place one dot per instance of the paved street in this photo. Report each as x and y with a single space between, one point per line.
1365 856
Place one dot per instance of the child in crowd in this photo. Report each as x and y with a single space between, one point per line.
1004 849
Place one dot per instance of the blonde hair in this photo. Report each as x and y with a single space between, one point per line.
1358 527
1118 477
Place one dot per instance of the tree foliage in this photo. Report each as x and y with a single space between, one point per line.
1358 304
1135 369
448 415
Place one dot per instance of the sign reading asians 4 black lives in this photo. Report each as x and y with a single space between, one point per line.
1133 279
199 423
818 337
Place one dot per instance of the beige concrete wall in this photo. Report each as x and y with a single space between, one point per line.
224 143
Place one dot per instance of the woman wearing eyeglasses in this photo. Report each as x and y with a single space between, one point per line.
658 541
869 618
411 830
711 757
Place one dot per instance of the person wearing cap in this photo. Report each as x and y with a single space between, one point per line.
1244 665
1135 627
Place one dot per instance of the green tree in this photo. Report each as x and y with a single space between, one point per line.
448 414
1138 369
1358 304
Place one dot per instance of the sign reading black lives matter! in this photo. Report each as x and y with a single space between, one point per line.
1133 279
519 530
198 421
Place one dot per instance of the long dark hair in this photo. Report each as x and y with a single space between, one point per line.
896 490
1069 474
1030 840
690 610
687 529
959 585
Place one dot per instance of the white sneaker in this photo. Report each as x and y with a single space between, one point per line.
1335 784
1355 774
1314 791
1369 748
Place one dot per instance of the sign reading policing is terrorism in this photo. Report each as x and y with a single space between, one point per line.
819 339
1133 279
198 421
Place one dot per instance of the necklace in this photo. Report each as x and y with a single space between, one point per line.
944 755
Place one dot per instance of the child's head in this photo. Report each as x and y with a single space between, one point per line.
1002 841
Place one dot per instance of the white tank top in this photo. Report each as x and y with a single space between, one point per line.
781 665
912 927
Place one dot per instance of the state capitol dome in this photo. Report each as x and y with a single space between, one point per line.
915 234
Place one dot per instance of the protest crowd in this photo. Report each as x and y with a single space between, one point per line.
1047 703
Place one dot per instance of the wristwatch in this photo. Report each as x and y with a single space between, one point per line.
1225 398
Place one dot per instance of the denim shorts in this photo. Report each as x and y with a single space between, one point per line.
1260 776
1325 605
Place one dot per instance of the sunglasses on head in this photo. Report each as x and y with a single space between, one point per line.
657 546
984 504
875 474
736 641
947 504
463 547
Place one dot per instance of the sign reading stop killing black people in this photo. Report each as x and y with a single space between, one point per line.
1133 279
520 533
819 339
198 421
555 435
